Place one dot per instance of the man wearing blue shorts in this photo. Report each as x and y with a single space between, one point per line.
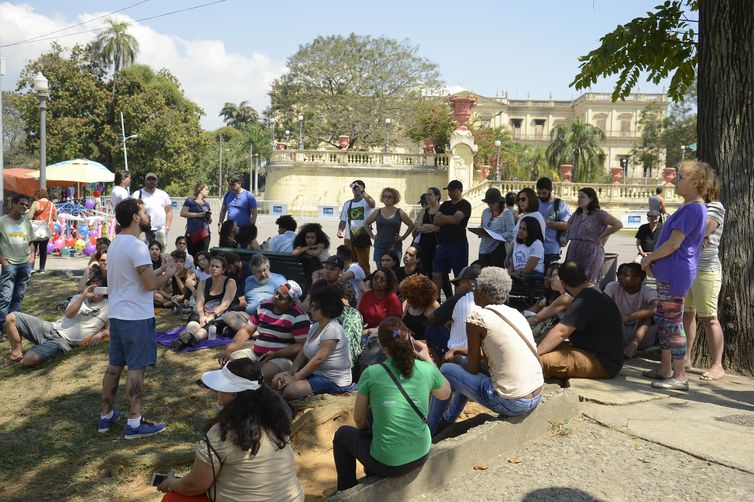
133 340
453 249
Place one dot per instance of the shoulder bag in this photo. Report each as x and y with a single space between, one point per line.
41 229
532 348
422 416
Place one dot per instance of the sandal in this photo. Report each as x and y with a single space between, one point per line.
16 359
655 374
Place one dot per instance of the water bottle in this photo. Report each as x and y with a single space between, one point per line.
212 332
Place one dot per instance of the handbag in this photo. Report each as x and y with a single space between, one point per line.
422 416
41 229
199 235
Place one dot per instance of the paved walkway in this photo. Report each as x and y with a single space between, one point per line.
621 244
632 443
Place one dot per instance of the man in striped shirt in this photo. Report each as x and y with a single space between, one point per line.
280 327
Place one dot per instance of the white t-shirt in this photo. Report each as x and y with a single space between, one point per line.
358 278
129 300
90 320
464 307
155 204
522 253
360 211
118 195
514 369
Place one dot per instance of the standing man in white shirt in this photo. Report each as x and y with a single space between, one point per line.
121 188
133 339
355 213
159 208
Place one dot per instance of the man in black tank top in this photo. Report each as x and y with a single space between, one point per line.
453 249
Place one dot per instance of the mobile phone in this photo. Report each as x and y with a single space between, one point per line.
100 290
157 479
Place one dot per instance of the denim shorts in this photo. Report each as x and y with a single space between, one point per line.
323 385
133 343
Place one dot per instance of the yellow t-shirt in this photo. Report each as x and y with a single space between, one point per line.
268 475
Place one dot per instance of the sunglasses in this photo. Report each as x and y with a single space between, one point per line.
521 199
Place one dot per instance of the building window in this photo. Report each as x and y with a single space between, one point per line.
516 126
624 122
601 121
539 128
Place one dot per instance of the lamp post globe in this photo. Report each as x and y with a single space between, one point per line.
42 87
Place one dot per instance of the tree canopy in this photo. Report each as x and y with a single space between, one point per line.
578 144
350 85
240 115
116 46
432 120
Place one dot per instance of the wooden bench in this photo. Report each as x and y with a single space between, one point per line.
287 265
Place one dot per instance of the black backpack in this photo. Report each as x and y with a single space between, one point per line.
371 354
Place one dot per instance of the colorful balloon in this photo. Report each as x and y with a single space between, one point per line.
65 250
51 247
79 245
89 204
59 244
70 241
89 249
96 193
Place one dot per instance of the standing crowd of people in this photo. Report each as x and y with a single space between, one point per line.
414 344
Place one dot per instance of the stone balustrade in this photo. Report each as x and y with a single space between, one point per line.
357 158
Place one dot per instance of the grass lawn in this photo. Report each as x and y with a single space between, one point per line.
50 446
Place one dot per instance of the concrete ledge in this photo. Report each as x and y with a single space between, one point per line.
454 457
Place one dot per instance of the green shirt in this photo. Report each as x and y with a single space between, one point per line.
351 322
398 434
14 239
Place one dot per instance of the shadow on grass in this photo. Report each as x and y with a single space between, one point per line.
50 446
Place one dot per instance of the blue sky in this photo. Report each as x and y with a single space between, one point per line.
232 50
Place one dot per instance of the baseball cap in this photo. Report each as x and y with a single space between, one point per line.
470 272
358 182
454 185
335 261
151 175
294 290
224 380
422 199
653 213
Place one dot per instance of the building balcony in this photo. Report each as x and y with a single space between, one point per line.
349 158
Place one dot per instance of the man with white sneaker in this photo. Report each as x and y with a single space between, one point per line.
133 340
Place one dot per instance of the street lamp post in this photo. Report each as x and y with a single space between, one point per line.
41 87
272 133
387 134
497 160
300 132
125 138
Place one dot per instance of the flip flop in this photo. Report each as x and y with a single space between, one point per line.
709 377
17 359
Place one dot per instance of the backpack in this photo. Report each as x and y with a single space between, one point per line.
371 354
562 235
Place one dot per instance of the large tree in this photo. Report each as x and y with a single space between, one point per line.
350 85
578 143
239 116
116 46
665 42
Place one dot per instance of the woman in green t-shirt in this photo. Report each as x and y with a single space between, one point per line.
398 439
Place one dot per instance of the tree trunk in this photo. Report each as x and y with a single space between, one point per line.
725 130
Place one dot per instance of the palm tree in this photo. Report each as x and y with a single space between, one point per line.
578 144
239 116
116 46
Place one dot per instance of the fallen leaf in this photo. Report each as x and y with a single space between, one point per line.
480 467
516 460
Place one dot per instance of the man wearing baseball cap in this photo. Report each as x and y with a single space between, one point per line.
159 208
453 249
647 235
351 227
333 269
280 326
446 332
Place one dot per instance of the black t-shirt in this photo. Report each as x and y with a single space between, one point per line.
647 238
444 312
598 328
454 233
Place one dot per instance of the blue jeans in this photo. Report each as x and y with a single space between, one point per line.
13 282
477 387
323 385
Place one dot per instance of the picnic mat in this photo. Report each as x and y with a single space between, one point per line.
166 339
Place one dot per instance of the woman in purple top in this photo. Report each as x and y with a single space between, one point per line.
673 262
589 229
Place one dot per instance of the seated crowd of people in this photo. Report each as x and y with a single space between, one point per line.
384 334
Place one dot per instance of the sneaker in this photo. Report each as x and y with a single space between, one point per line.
104 423
144 429
671 384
